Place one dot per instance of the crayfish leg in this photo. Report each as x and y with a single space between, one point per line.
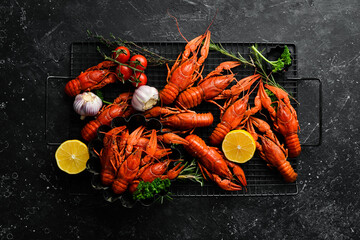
175 66
203 171
175 171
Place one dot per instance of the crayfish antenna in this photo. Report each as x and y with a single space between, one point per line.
177 24
212 21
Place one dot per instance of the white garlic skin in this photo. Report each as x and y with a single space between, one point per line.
87 104
144 98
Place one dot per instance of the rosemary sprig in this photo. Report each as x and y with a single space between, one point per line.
162 198
218 47
152 57
192 173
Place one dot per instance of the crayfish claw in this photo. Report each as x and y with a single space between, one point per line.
226 184
175 171
171 138
238 172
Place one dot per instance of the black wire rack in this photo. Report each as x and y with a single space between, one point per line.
262 181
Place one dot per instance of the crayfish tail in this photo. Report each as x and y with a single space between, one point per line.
107 177
133 186
89 132
190 97
72 88
293 144
169 93
119 186
218 134
287 171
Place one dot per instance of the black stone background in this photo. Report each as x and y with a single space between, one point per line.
35 202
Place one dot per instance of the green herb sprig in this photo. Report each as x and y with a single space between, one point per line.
218 47
191 172
148 190
278 65
268 78
153 58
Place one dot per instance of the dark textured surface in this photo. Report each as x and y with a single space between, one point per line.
38 201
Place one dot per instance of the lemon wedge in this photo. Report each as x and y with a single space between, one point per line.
71 156
239 146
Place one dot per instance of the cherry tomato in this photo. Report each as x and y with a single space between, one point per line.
121 54
138 61
124 72
141 79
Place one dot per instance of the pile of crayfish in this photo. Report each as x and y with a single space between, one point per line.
129 157
140 155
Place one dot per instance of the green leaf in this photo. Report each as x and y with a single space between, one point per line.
147 190
286 56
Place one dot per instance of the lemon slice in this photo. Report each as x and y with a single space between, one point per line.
71 156
239 146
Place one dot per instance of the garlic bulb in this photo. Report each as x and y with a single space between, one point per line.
144 98
87 104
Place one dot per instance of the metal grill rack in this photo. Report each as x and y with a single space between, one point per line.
262 181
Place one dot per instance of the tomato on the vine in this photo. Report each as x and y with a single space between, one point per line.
121 54
139 62
139 79
124 72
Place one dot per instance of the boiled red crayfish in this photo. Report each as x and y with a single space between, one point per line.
127 172
95 77
120 108
209 87
171 138
230 119
270 148
188 120
212 164
156 170
284 117
105 116
110 157
130 157
180 119
241 86
185 71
